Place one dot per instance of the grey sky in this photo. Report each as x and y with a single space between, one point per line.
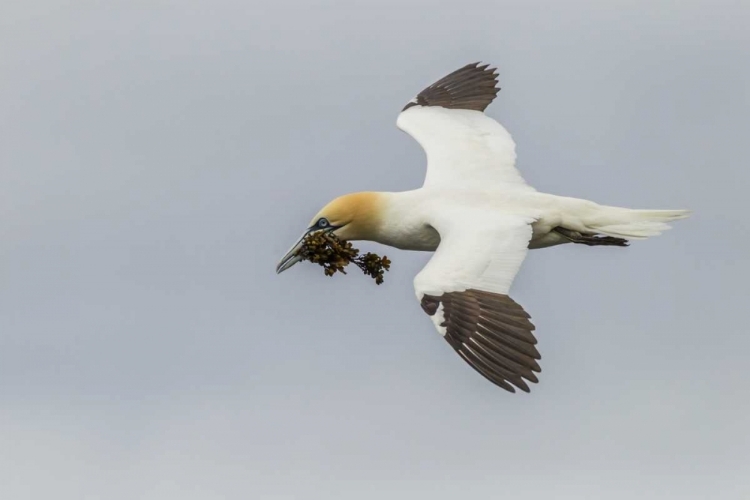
159 157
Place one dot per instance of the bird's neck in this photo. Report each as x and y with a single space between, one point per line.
403 222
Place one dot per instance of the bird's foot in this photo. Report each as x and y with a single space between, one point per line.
591 240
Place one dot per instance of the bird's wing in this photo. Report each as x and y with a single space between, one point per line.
464 289
463 145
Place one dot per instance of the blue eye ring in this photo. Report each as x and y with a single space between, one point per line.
323 223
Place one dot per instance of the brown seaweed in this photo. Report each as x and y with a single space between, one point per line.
333 254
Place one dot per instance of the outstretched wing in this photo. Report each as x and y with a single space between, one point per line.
463 145
464 289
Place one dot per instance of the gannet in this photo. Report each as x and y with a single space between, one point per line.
479 217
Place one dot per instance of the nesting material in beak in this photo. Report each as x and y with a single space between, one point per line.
325 249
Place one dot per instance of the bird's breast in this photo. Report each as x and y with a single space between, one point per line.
409 235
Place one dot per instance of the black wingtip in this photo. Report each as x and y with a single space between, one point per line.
472 87
492 333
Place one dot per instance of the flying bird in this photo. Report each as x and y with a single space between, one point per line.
479 217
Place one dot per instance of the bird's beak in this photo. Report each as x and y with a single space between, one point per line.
292 256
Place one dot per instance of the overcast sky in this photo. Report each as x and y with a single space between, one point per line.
157 159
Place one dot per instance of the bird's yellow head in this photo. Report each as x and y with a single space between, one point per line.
355 216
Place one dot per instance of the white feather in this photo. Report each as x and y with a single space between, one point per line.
475 252
638 224
463 147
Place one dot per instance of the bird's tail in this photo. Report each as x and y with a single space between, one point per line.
634 224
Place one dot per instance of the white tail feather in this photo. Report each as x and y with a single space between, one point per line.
637 224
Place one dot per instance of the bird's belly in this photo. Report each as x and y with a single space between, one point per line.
421 238
547 240
542 234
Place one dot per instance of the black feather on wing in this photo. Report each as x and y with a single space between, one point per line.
492 333
471 87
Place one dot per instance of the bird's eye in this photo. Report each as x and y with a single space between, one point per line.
323 223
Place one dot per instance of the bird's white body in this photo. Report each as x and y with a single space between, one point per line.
480 217
408 216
